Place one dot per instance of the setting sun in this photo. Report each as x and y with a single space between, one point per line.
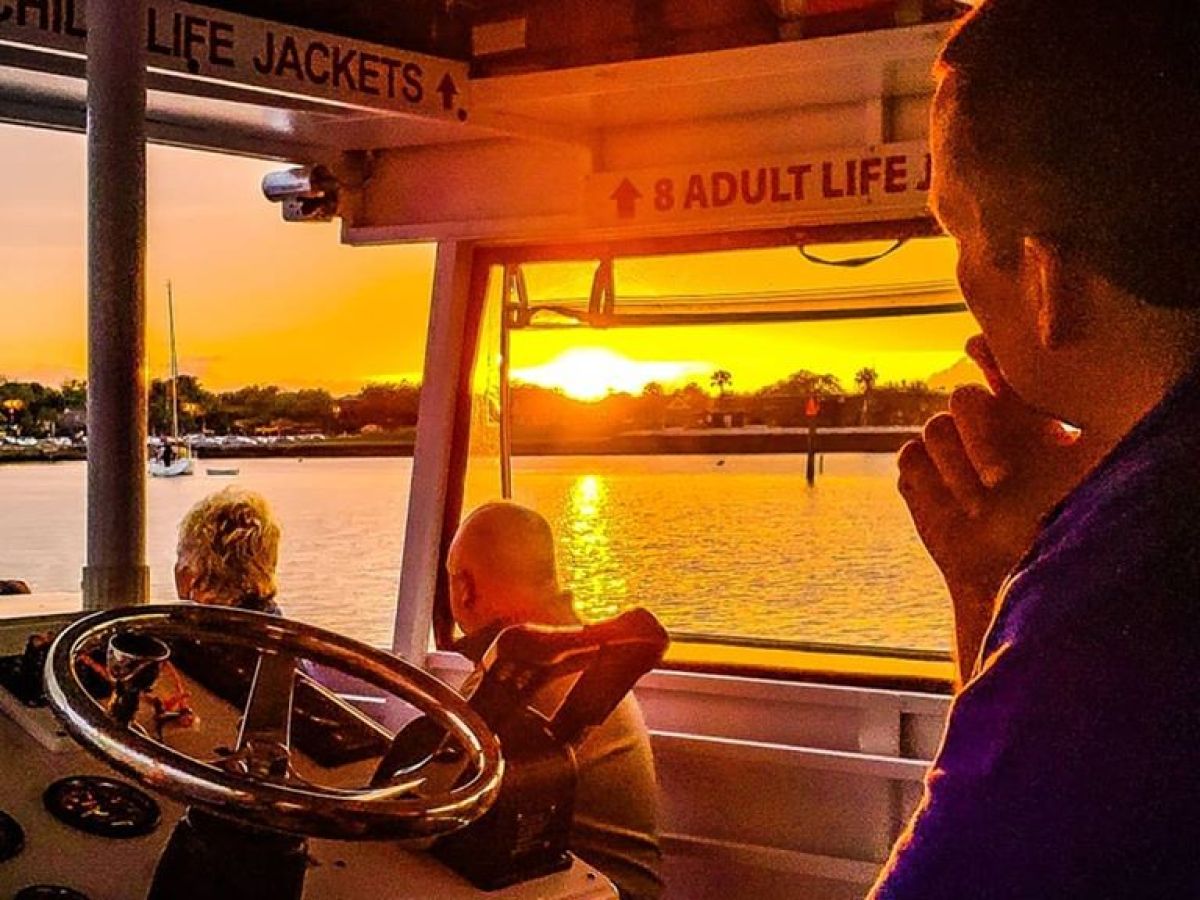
589 373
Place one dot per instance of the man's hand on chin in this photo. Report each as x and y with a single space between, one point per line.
978 483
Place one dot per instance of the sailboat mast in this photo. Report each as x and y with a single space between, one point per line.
174 366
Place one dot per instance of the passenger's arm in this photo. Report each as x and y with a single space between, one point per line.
973 612
978 484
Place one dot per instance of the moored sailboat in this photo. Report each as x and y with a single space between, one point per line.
175 459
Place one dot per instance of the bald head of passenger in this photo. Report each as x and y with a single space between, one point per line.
502 570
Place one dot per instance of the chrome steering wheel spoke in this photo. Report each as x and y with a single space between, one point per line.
264 739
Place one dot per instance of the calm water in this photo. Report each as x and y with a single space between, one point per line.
743 548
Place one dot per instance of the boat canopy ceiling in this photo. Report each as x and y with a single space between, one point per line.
440 120
438 27
520 35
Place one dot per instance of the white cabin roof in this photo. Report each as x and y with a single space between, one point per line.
538 156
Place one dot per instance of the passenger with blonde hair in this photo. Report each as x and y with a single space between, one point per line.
227 553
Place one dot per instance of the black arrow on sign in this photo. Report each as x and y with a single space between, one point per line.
449 90
627 196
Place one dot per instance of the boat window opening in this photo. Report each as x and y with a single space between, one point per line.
769 285
671 461
341 331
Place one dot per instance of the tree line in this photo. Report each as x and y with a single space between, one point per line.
803 397
32 409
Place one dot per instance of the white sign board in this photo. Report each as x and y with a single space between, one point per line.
889 181
196 40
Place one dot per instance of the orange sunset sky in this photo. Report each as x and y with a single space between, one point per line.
261 301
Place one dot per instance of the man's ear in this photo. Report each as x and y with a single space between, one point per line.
1050 284
466 596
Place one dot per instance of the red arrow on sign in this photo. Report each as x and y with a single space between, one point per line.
627 196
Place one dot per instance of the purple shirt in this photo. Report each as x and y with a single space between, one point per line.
1070 766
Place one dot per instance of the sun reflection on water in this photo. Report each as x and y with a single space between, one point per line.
592 571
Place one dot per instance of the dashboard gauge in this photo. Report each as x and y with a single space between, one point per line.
48 892
102 806
12 837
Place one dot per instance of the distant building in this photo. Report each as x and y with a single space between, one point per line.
725 418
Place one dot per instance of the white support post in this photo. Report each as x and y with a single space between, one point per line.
116 573
447 359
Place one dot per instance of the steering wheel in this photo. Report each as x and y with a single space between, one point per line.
260 790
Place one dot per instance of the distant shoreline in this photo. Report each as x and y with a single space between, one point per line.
682 442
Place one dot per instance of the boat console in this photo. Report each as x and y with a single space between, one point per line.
130 777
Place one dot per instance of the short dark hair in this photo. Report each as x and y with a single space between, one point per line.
1079 121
